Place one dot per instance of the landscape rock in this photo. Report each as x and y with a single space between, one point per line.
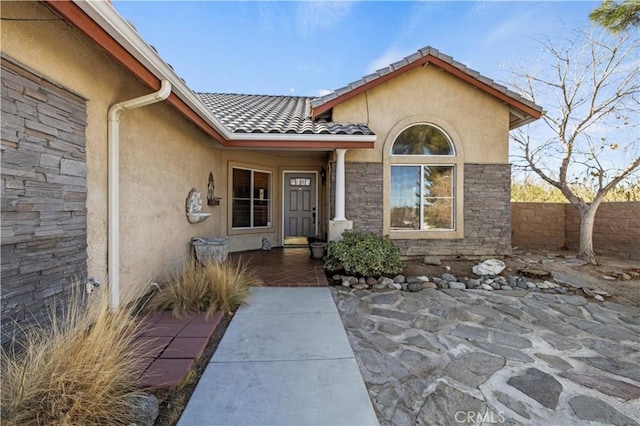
371 281
538 385
144 408
385 281
431 260
415 287
595 410
570 280
489 267
448 277
457 285
399 279
445 400
474 368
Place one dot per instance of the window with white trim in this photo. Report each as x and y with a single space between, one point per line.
422 191
251 202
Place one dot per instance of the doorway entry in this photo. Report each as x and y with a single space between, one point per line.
300 207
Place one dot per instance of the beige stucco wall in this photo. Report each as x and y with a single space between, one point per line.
477 122
276 162
162 155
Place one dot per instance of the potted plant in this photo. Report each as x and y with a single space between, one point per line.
317 247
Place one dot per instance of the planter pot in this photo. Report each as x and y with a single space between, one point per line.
317 250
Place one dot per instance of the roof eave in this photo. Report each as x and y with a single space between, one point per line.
105 27
301 141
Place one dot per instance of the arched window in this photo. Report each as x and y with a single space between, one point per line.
423 186
422 139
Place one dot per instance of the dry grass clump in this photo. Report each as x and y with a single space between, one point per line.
79 371
208 288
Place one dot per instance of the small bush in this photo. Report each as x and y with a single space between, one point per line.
364 254
80 370
209 288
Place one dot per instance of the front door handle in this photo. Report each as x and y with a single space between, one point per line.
314 215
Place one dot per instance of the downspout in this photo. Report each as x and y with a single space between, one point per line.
113 141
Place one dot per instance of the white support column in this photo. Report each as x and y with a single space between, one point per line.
340 184
339 224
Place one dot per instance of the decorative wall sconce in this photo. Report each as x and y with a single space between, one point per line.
212 200
194 207
323 175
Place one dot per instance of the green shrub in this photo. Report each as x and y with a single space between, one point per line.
208 288
364 254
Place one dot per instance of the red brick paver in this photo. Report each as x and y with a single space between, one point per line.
285 267
169 346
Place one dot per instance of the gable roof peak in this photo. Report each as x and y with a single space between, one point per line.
528 111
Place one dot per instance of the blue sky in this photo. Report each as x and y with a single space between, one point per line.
309 48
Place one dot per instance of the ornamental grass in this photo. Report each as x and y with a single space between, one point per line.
208 288
78 370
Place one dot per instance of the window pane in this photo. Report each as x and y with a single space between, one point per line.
261 186
241 183
438 181
438 213
261 213
251 204
422 140
241 213
405 197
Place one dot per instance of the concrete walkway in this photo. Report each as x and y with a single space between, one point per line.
285 359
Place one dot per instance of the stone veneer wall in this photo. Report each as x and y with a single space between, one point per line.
44 191
487 217
363 187
487 210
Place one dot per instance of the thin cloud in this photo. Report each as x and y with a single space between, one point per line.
320 15
390 56
323 92
511 27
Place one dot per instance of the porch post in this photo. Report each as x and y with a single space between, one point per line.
339 224
340 184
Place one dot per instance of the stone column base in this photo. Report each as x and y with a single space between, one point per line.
337 227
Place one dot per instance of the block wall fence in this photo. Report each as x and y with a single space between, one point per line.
554 226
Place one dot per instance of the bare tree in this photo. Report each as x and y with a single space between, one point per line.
589 86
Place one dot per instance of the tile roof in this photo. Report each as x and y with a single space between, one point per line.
420 54
273 114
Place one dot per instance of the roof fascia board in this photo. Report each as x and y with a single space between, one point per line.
526 109
309 137
425 60
313 145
